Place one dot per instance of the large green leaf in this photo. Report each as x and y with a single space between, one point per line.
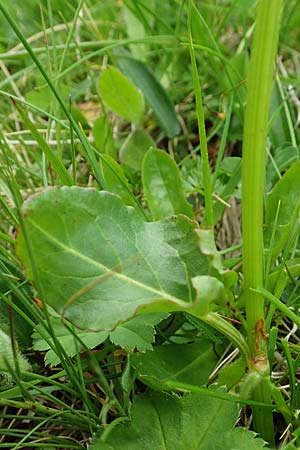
163 185
187 363
120 95
167 422
193 422
96 261
154 94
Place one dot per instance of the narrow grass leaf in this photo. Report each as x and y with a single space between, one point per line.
56 162
209 216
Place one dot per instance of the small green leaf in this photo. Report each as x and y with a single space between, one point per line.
163 185
22 328
42 96
228 167
103 136
210 294
186 363
168 422
134 149
80 118
120 95
200 30
115 180
154 93
230 375
208 247
137 333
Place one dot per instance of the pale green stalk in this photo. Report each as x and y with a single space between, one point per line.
260 83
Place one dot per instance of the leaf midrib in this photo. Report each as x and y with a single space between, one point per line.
119 275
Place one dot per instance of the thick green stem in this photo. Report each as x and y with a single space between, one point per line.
262 417
260 83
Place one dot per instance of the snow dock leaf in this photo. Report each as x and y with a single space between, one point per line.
96 262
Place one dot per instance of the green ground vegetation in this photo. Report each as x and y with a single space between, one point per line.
150 218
